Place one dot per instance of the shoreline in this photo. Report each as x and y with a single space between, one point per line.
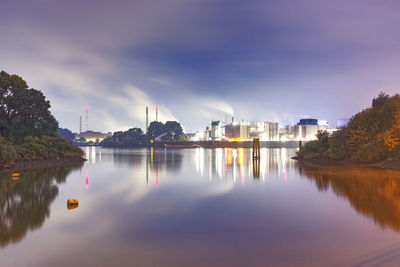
386 165
44 163
214 144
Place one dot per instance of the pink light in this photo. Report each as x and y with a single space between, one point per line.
285 174
87 107
242 110
87 178
157 177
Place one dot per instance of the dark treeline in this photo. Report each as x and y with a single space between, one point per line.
371 135
135 137
28 131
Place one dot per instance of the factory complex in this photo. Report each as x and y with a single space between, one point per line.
305 130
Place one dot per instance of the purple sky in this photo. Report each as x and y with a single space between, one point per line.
199 60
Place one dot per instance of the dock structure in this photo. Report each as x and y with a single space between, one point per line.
256 148
256 158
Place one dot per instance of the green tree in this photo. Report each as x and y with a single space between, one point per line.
155 129
23 111
173 129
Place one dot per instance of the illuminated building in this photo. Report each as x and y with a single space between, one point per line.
307 129
286 133
236 132
216 131
265 131
92 136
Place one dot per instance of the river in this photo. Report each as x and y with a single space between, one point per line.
199 207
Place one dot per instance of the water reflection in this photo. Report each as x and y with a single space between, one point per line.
374 193
25 203
238 164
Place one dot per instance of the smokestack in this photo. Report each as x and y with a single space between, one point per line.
80 124
156 113
87 118
147 118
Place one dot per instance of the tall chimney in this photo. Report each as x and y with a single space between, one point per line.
87 118
147 118
80 124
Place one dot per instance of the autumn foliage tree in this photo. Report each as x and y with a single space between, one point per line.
371 135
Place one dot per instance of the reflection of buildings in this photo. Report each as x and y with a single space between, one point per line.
238 165
25 204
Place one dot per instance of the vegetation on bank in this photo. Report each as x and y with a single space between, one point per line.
28 130
135 137
371 135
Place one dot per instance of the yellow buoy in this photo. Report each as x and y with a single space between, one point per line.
15 178
72 203
15 174
70 207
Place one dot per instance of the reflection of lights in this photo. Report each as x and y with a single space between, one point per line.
93 154
285 174
151 156
283 160
201 155
234 153
263 162
241 156
218 161
87 153
156 175
87 177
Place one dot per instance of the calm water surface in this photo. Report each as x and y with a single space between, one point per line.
199 207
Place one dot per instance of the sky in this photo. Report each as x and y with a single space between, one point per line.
202 60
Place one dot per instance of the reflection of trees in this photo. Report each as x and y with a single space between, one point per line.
372 192
25 203
168 159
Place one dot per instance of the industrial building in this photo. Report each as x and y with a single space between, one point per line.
307 129
265 131
92 136
237 132
216 133
286 133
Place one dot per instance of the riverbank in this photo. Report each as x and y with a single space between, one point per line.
216 144
388 164
38 152
46 163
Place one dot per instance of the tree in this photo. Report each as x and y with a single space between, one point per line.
66 133
23 111
132 138
371 135
155 129
173 129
